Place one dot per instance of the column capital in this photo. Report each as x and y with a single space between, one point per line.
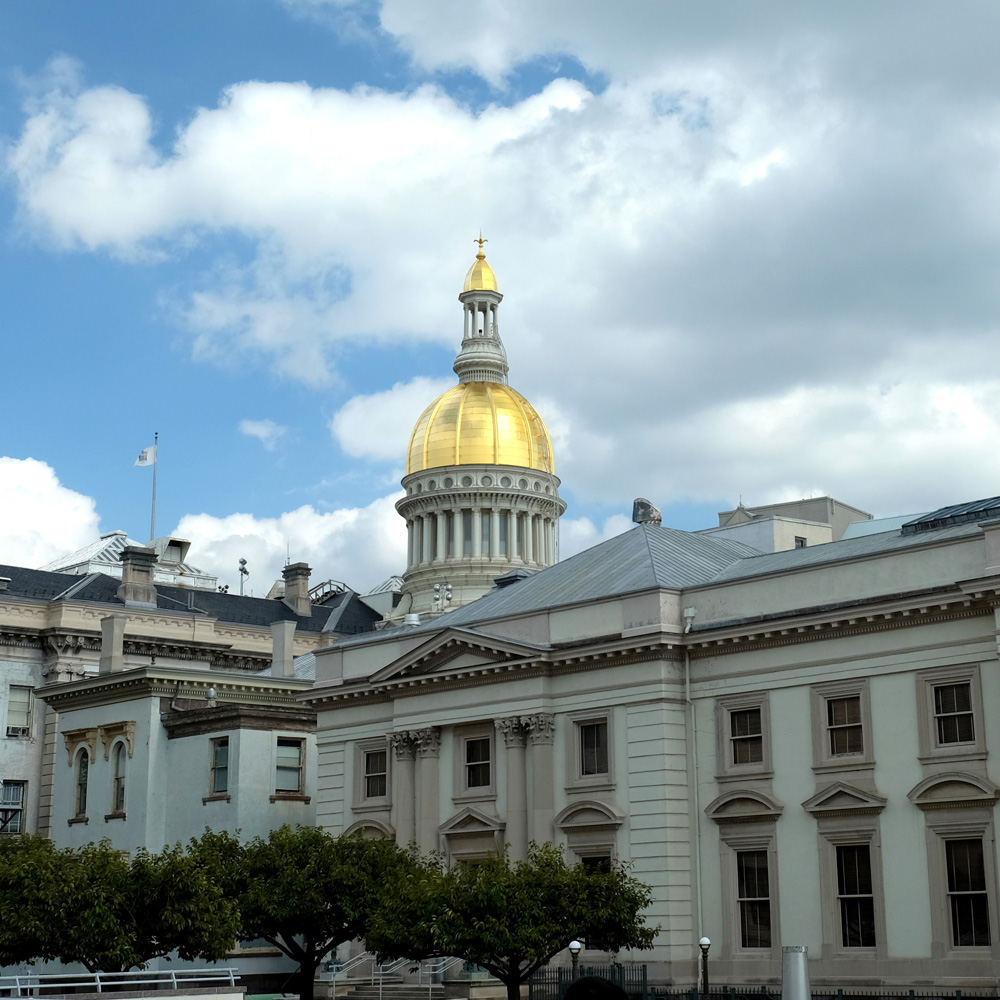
541 727
514 734
428 741
403 745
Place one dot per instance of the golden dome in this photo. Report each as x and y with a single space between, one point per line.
480 276
480 423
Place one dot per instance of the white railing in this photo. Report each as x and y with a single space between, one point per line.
346 968
435 971
168 979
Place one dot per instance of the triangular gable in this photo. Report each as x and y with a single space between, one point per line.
744 806
456 649
954 790
843 799
470 821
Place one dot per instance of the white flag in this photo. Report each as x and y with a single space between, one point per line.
147 456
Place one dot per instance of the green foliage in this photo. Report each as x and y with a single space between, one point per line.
110 913
510 918
302 889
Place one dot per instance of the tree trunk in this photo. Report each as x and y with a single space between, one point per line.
307 977
513 988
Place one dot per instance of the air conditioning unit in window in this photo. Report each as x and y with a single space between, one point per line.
21 731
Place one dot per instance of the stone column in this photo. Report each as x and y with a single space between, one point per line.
442 537
515 738
495 516
529 538
404 796
428 810
541 735
456 532
512 536
477 533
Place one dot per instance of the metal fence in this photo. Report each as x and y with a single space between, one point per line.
551 983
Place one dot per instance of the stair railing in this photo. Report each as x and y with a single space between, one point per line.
436 970
345 968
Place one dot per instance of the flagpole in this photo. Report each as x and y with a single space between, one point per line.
156 458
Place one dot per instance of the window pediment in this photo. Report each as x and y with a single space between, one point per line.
843 799
744 806
589 815
113 731
371 829
74 738
954 790
469 822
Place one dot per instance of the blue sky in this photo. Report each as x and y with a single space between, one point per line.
741 256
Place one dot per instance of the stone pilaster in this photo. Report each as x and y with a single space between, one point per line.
428 743
404 796
515 740
541 729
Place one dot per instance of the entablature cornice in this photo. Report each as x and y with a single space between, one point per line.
149 682
849 619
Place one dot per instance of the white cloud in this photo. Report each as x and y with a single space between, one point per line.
40 519
266 431
378 426
713 267
358 546
577 534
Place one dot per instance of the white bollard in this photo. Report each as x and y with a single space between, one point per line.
795 973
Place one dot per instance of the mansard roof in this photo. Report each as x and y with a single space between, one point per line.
344 613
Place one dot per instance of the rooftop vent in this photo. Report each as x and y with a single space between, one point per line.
643 512
514 576
411 619
4 580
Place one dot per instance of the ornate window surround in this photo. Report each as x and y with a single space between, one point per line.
823 760
930 750
725 705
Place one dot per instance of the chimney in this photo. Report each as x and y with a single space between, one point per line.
112 644
282 639
643 512
297 588
137 577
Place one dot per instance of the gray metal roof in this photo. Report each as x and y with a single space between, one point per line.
846 548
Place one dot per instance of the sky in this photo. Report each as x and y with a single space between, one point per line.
748 252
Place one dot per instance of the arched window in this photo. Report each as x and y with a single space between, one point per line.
82 774
118 782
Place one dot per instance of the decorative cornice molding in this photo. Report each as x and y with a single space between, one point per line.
223 718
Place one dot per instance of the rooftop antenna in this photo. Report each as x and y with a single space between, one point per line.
244 573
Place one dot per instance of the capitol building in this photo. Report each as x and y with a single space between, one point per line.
785 724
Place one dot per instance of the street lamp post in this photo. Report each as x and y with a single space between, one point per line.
704 944
574 950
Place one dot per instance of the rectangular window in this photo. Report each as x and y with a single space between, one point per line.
746 736
594 748
754 897
288 766
19 707
449 520
969 903
477 762
857 900
800 542
219 784
12 807
953 714
844 726
376 774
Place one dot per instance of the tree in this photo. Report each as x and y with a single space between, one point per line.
111 913
511 918
304 890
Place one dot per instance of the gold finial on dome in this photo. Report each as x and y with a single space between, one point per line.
480 277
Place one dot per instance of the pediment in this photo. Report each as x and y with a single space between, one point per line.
469 822
843 799
954 790
456 649
744 806
589 815
371 829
